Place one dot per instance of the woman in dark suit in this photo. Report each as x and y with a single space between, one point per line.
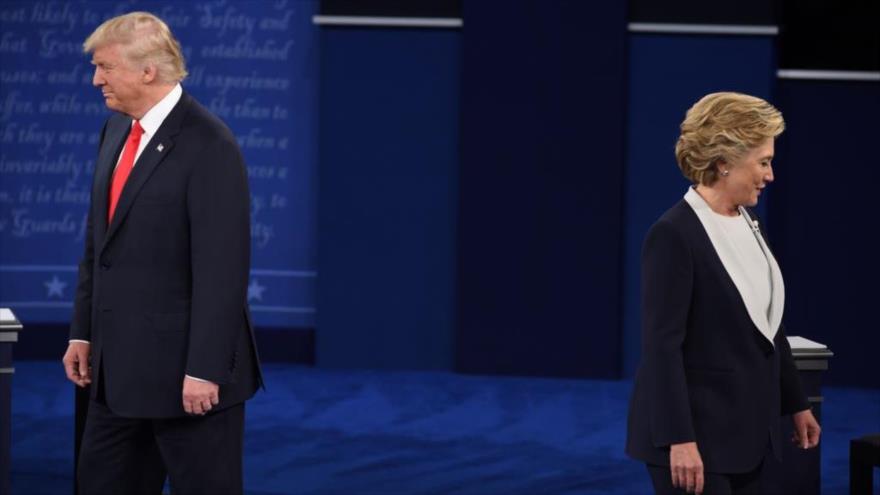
716 371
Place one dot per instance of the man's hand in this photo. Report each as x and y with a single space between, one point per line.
806 429
76 363
687 467
199 397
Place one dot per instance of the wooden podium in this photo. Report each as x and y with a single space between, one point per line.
799 471
9 328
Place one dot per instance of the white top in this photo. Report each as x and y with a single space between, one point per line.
151 120
755 269
748 261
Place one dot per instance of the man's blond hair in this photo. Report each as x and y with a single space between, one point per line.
144 40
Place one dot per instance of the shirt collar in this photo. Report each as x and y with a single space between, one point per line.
154 117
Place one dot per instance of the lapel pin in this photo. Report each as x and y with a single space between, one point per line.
160 147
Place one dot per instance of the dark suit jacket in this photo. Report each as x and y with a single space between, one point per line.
707 373
162 290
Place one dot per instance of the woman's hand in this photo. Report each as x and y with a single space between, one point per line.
687 467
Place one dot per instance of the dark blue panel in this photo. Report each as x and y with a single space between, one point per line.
667 75
748 12
542 143
824 219
387 197
392 8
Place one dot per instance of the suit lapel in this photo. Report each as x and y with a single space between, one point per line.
777 294
112 145
154 153
729 263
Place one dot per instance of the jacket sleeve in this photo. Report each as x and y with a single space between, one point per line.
218 203
667 283
791 389
81 322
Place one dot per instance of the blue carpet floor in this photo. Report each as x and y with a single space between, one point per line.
369 432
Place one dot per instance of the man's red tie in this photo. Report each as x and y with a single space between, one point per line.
123 169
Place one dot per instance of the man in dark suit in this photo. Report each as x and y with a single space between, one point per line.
161 329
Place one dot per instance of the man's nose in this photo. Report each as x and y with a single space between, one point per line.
97 80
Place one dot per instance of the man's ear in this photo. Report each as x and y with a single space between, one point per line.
149 74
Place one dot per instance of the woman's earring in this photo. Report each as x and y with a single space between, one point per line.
725 173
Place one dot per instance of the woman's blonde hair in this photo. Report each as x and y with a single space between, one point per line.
145 40
723 127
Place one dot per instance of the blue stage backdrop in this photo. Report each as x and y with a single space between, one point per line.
252 63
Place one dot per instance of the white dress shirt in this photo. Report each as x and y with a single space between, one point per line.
152 120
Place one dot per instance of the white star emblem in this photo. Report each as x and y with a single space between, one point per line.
255 290
55 287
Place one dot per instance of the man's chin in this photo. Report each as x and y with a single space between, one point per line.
112 104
